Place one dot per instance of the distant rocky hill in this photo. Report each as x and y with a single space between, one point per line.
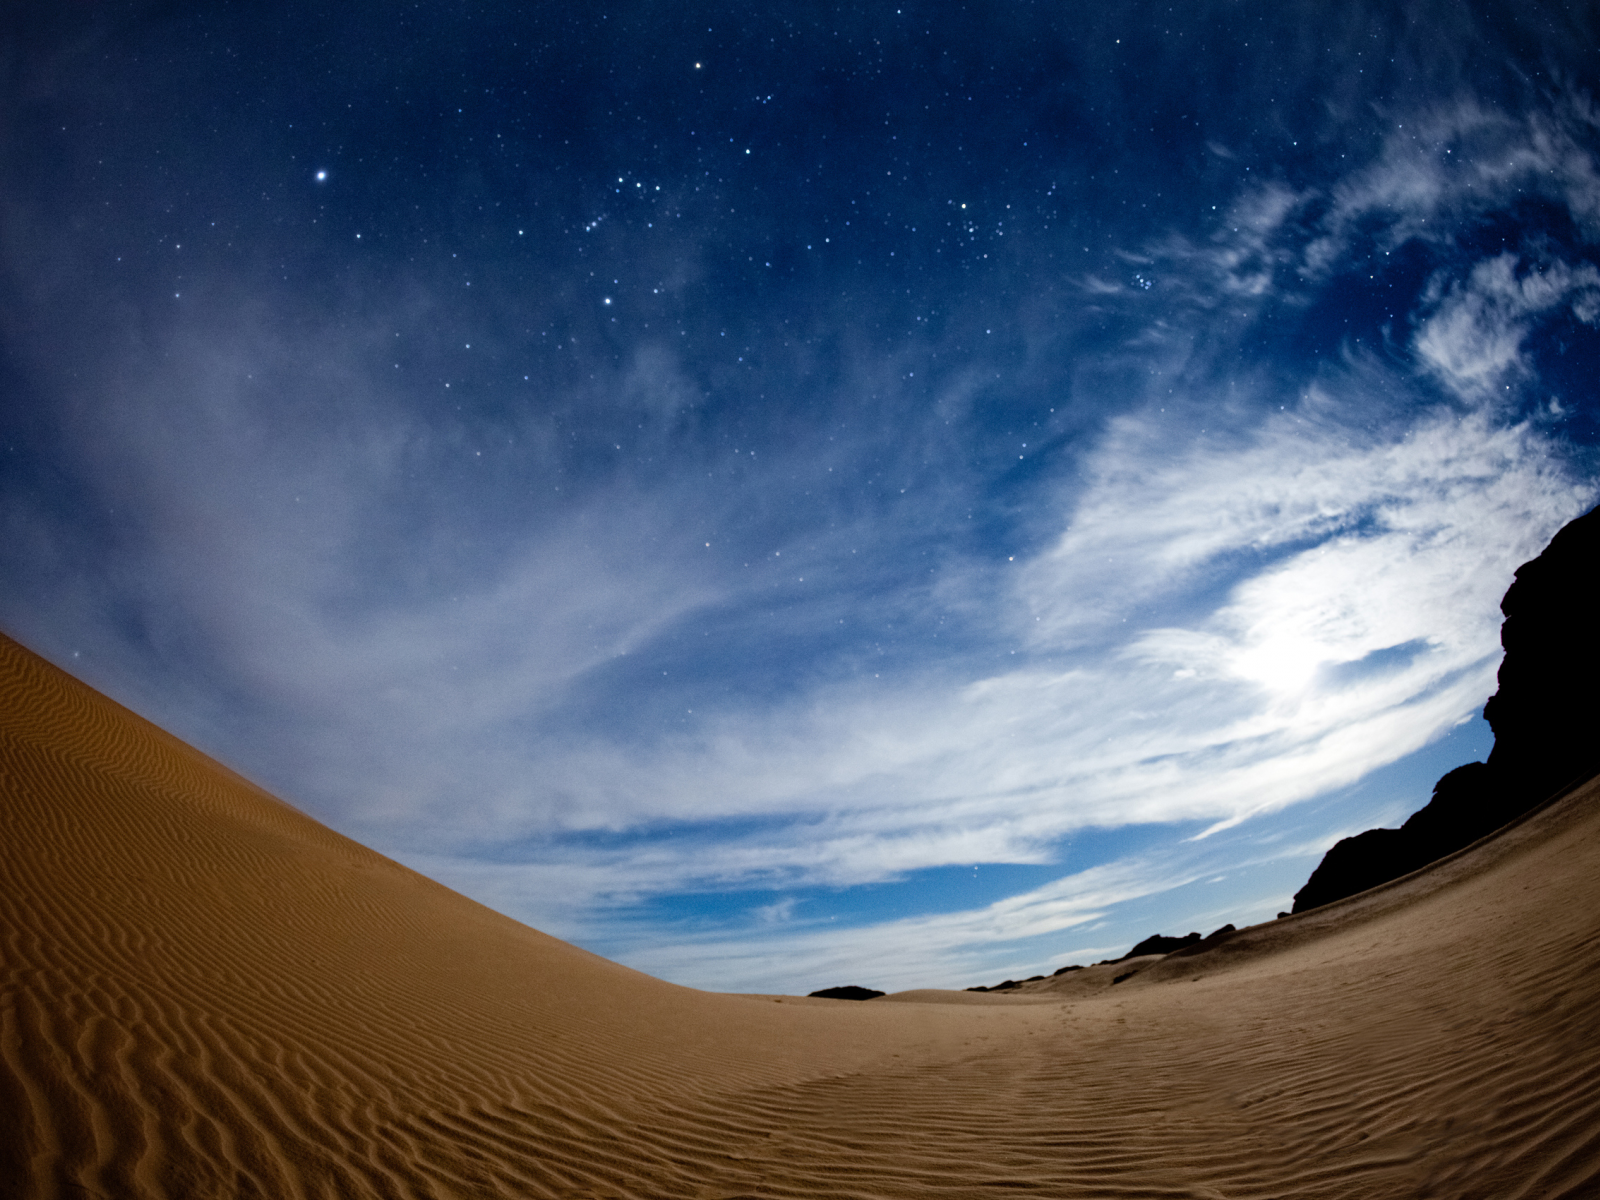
1544 720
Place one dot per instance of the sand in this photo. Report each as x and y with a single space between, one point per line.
205 993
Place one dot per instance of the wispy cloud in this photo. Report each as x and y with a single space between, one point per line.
1341 598
1472 336
1070 919
1247 604
485 644
1441 165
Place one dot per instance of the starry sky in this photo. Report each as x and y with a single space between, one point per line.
786 495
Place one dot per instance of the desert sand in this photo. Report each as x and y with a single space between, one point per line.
206 994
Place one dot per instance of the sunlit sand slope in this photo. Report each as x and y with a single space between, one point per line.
206 993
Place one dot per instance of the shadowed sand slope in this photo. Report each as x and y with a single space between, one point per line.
206 993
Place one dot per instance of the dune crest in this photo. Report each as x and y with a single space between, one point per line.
205 993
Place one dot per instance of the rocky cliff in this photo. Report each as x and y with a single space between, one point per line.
1544 718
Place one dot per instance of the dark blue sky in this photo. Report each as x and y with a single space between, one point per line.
786 496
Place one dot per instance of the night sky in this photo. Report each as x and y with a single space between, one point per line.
793 495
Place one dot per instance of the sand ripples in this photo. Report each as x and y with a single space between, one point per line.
204 993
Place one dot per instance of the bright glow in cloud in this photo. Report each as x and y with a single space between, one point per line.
1363 625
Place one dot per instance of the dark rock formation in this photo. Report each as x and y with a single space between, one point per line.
1215 938
846 993
1468 803
1353 865
1543 717
1544 714
1157 944
1016 983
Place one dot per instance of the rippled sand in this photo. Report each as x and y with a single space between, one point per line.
208 994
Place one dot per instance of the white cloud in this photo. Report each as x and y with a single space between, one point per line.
1438 167
1472 340
931 951
1247 252
1079 917
1269 619
1237 612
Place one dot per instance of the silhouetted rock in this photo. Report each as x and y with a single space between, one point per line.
1157 944
1064 970
1544 714
1543 717
1354 865
1215 938
846 993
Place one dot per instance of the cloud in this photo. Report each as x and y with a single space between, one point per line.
784 946
1078 917
1472 340
1441 166
1437 173
505 648
1244 605
934 950
1334 593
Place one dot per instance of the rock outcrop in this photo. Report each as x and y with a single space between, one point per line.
850 992
1545 712
1215 938
1543 716
1158 943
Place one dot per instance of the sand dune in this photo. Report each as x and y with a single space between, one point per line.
206 993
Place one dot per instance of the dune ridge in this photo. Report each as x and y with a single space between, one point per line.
207 993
